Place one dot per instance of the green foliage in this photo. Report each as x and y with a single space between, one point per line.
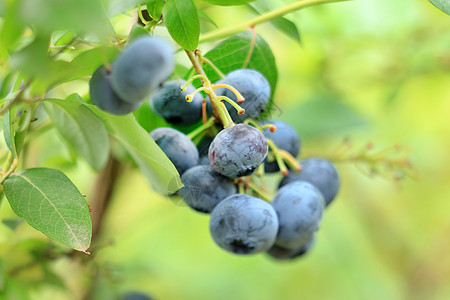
49 202
243 50
181 20
152 162
82 129
443 5
154 8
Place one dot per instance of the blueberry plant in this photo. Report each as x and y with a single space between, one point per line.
201 131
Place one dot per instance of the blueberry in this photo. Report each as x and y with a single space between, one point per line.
170 103
291 253
104 97
243 224
321 173
136 296
253 86
141 68
285 138
238 150
299 206
204 188
178 147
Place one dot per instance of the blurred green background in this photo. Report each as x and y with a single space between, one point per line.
369 71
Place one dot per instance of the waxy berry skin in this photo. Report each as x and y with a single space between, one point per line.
319 172
291 253
237 150
299 206
139 70
253 86
244 224
177 146
204 188
104 97
169 102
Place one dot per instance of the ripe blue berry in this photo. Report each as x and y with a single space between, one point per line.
204 188
243 224
299 206
141 68
178 147
253 86
319 172
238 150
291 253
169 102
104 97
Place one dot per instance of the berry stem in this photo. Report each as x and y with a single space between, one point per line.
219 108
213 66
290 160
278 157
239 109
191 95
240 98
222 33
258 191
190 80
202 128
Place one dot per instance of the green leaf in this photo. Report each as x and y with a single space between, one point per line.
12 27
203 16
33 62
136 31
15 126
9 130
87 62
241 50
12 223
152 161
284 25
443 5
82 16
181 19
228 2
51 203
81 128
155 8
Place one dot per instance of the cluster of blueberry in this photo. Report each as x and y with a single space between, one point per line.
218 173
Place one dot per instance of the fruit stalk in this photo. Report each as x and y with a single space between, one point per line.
219 108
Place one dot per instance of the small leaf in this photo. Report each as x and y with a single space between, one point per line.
152 161
233 53
181 19
137 31
12 223
51 203
87 62
443 5
228 2
284 25
203 16
81 128
9 130
155 8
